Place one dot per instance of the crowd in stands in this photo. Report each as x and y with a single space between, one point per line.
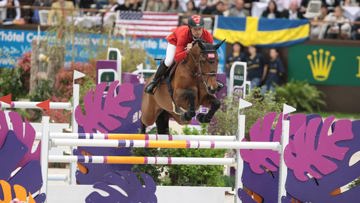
264 69
331 23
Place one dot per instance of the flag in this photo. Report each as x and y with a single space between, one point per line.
261 31
146 24
78 74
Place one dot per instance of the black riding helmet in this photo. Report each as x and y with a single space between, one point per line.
195 21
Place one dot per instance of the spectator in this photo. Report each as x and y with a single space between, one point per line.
285 4
248 5
356 29
12 12
220 8
236 55
110 15
337 25
349 3
274 71
293 13
238 10
129 5
112 6
60 9
329 3
164 5
316 25
332 3
271 11
255 68
174 7
204 8
190 8
153 5
42 3
26 13
86 3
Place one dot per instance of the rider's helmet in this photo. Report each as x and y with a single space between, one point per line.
196 21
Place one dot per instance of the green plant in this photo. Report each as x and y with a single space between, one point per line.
226 118
195 175
131 55
24 63
43 92
301 95
11 83
183 174
64 79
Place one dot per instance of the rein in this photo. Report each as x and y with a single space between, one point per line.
199 73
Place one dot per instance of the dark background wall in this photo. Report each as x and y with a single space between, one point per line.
338 98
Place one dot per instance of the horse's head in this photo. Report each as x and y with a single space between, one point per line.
207 63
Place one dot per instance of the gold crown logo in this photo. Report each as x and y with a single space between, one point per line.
320 64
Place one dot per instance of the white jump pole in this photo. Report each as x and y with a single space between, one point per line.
141 160
99 136
32 105
284 142
44 152
76 101
180 144
240 136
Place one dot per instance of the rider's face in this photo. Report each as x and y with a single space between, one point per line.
197 31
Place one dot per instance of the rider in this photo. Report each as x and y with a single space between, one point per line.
179 44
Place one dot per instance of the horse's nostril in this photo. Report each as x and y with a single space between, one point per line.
211 90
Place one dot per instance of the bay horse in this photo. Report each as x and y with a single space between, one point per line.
191 83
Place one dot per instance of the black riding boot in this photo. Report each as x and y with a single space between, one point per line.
159 73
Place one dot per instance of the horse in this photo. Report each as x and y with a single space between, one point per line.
190 83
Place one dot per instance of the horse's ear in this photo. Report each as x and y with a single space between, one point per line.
201 45
217 46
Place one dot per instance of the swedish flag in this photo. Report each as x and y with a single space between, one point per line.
261 32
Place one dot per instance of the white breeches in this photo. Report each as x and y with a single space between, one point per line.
170 54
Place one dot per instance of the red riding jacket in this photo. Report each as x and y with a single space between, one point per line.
181 36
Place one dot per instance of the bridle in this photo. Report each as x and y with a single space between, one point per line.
200 74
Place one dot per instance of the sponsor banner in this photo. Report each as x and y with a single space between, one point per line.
14 43
325 64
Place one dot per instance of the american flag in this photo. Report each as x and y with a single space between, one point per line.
146 24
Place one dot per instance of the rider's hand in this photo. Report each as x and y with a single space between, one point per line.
188 47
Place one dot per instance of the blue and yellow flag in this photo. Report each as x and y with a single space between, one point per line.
261 31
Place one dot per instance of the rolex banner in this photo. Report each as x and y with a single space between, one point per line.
325 64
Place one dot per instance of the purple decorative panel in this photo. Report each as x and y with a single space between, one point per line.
317 157
15 151
132 189
333 151
110 113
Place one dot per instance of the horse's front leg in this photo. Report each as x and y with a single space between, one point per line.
214 106
186 98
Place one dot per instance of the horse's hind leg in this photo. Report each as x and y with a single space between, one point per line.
214 106
162 123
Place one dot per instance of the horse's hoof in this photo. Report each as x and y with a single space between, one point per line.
202 118
186 117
